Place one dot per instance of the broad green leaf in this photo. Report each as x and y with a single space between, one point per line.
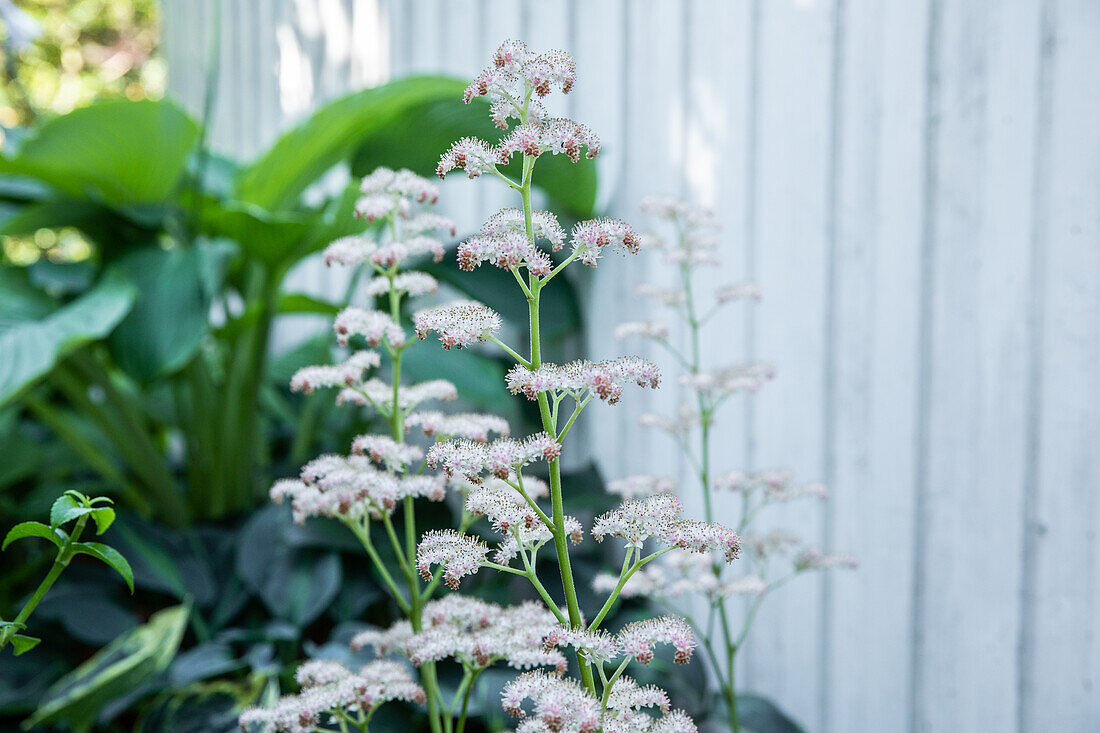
32 348
295 585
21 643
479 378
119 151
103 517
31 529
109 555
333 134
169 319
422 132
122 665
302 303
62 506
272 238
20 301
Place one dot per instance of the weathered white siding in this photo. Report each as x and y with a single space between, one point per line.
916 185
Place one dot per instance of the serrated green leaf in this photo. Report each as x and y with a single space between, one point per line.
31 529
103 517
21 643
109 555
64 504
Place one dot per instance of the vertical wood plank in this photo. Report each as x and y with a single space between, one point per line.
1062 640
871 418
794 114
975 443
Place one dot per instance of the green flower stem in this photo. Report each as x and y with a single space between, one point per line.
509 350
548 424
461 726
407 556
64 555
611 682
624 577
363 533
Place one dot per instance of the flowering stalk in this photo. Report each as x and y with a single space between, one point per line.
695 244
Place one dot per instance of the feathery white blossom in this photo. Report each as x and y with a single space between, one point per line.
460 323
328 687
377 392
345 374
500 458
462 425
636 487
722 382
374 326
579 379
646 329
414 283
659 517
459 555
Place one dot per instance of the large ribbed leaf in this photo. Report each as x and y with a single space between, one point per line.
119 151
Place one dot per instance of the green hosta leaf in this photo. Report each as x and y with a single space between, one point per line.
109 555
302 303
479 378
19 300
272 238
103 517
128 661
333 134
119 151
169 319
21 643
33 529
32 348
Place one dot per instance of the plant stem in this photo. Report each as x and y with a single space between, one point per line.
561 547
64 555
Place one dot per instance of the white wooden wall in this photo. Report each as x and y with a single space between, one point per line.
916 185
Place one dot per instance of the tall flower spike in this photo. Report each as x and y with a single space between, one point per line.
458 324
579 378
459 555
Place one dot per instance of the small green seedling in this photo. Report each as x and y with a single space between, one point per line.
76 509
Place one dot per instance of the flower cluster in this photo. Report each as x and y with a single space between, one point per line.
560 704
374 326
637 639
515 84
411 283
459 554
346 374
350 488
637 487
330 689
775 485
658 516
472 426
473 632
377 393
581 379
514 517
730 380
460 323
501 458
